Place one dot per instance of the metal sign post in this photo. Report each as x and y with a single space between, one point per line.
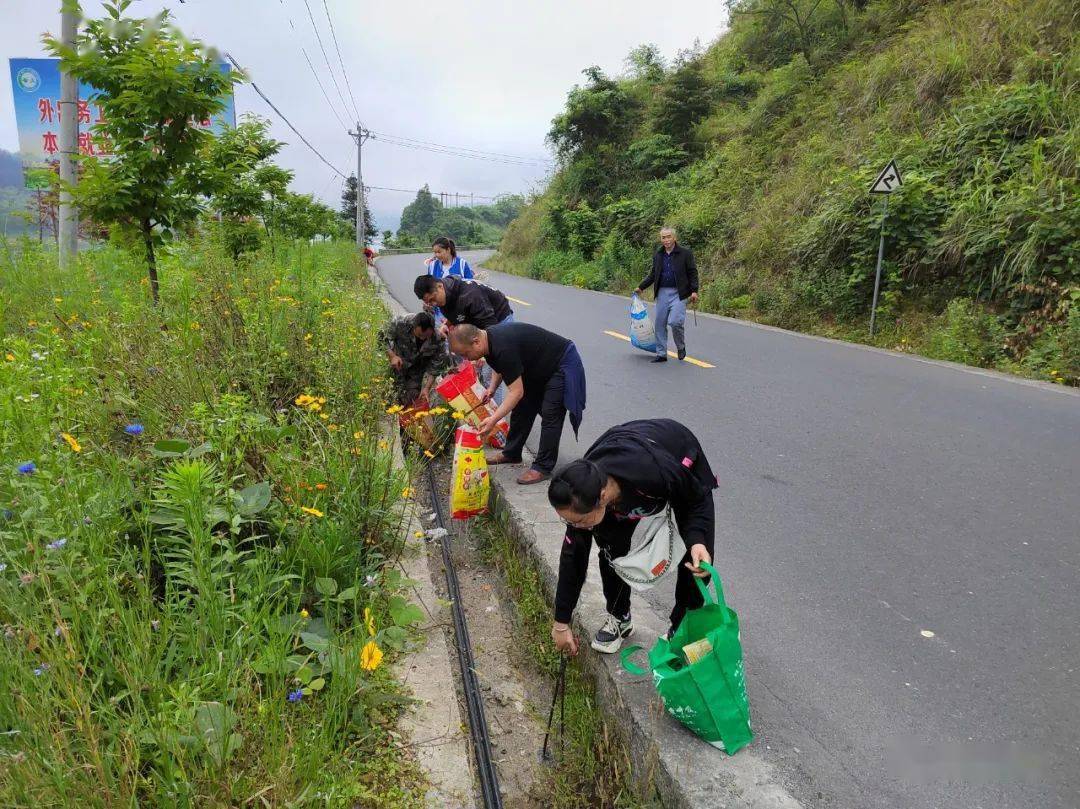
888 181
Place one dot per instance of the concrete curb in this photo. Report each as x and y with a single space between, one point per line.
687 772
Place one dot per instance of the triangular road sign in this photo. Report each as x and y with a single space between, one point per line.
888 181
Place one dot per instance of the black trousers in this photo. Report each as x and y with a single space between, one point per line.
614 535
548 404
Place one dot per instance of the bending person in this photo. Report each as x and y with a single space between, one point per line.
544 376
633 470
466 302
417 354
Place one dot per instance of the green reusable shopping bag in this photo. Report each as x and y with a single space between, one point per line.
708 696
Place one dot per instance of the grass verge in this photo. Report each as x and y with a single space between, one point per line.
595 769
199 521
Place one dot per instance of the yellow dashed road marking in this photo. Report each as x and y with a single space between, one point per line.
518 300
691 360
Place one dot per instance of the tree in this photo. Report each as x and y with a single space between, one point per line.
645 62
600 112
244 183
348 211
686 99
153 85
418 217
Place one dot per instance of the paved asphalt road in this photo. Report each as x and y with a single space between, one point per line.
866 501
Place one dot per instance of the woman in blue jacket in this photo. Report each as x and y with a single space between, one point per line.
447 261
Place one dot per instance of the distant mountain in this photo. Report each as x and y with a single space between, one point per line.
10 169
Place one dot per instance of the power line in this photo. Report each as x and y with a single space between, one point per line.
329 69
435 193
314 73
341 62
281 115
464 148
455 153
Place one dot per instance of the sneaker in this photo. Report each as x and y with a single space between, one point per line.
610 636
659 358
682 354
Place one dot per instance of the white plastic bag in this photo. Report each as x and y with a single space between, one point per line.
642 334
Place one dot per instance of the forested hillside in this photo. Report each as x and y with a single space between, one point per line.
760 148
426 218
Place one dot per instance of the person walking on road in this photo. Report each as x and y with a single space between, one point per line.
674 279
447 262
633 471
544 376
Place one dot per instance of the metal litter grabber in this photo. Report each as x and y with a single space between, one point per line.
559 695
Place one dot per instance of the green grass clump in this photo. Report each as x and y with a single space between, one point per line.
198 516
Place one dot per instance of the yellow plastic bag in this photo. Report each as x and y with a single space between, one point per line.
469 485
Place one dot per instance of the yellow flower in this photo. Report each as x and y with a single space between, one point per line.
361 397
438 411
458 415
324 416
314 512
303 400
383 445
369 621
358 434
58 300
307 336
428 453
195 325
71 442
326 301
395 409
418 534
370 656
305 614
407 492
9 357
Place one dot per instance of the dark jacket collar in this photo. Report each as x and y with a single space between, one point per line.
676 249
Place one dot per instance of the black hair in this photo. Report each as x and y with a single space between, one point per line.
423 285
447 242
577 486
463 335
423 321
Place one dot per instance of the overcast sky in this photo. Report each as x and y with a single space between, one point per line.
473 73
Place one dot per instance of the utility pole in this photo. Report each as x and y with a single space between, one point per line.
361 135
68 227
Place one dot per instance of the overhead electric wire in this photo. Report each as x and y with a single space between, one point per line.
455 153
281 115
314 72
341 62
464 148
326 58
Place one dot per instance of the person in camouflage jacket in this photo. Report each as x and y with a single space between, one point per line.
415 349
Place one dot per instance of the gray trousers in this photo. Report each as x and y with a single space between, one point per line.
670 311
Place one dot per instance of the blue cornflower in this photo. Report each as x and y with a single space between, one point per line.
28 468
296 696
57 545
134 429
38 671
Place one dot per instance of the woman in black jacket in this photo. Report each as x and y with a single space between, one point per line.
633 471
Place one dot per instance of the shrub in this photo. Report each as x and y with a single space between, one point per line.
966 333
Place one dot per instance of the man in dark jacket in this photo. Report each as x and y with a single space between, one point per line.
634 470
674 278
464 301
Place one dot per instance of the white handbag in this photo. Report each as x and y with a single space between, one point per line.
659 549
